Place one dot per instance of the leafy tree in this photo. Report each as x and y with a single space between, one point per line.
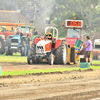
86 10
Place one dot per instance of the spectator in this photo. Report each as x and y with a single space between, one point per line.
27 44
88 47
35 34
19 33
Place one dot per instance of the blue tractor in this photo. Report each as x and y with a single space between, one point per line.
14 44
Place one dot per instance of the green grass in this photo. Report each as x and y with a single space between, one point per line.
18 58
13 73
14 58
96 62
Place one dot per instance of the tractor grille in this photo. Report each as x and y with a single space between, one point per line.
39 49
14 40
97 46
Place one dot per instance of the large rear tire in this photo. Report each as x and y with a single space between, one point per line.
8 41
61 53
2 45
7 51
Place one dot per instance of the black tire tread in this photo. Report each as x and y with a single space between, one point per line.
59 53
33 52
2 50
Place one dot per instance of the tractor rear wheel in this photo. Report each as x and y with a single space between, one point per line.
8 41
7 52
61 53
2 45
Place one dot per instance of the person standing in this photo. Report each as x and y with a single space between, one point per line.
19 33
88 47
27 44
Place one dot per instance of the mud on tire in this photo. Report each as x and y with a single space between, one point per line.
61 53
2 45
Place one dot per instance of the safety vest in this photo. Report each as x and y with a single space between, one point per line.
49 34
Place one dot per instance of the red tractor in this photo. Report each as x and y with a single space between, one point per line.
53 51
74 32
74 38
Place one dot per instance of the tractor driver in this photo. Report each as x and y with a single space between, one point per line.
48 35
19 33
75 35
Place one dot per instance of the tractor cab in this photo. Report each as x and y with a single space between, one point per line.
27 30
74 31
72 36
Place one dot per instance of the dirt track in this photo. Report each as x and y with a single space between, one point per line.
25 66
75 85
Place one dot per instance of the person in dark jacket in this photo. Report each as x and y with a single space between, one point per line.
27 44
19 33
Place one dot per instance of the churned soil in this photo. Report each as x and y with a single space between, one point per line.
74 85
24 66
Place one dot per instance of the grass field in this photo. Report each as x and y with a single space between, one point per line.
18 58
14 58
13 73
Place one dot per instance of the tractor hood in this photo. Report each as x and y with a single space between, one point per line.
43 43
43 46
16 37
71 41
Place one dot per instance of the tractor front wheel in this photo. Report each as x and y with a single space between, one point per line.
6 51
29 59
51 59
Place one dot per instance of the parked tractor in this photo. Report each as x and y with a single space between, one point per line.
5 35
14 44
53 51
96 49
